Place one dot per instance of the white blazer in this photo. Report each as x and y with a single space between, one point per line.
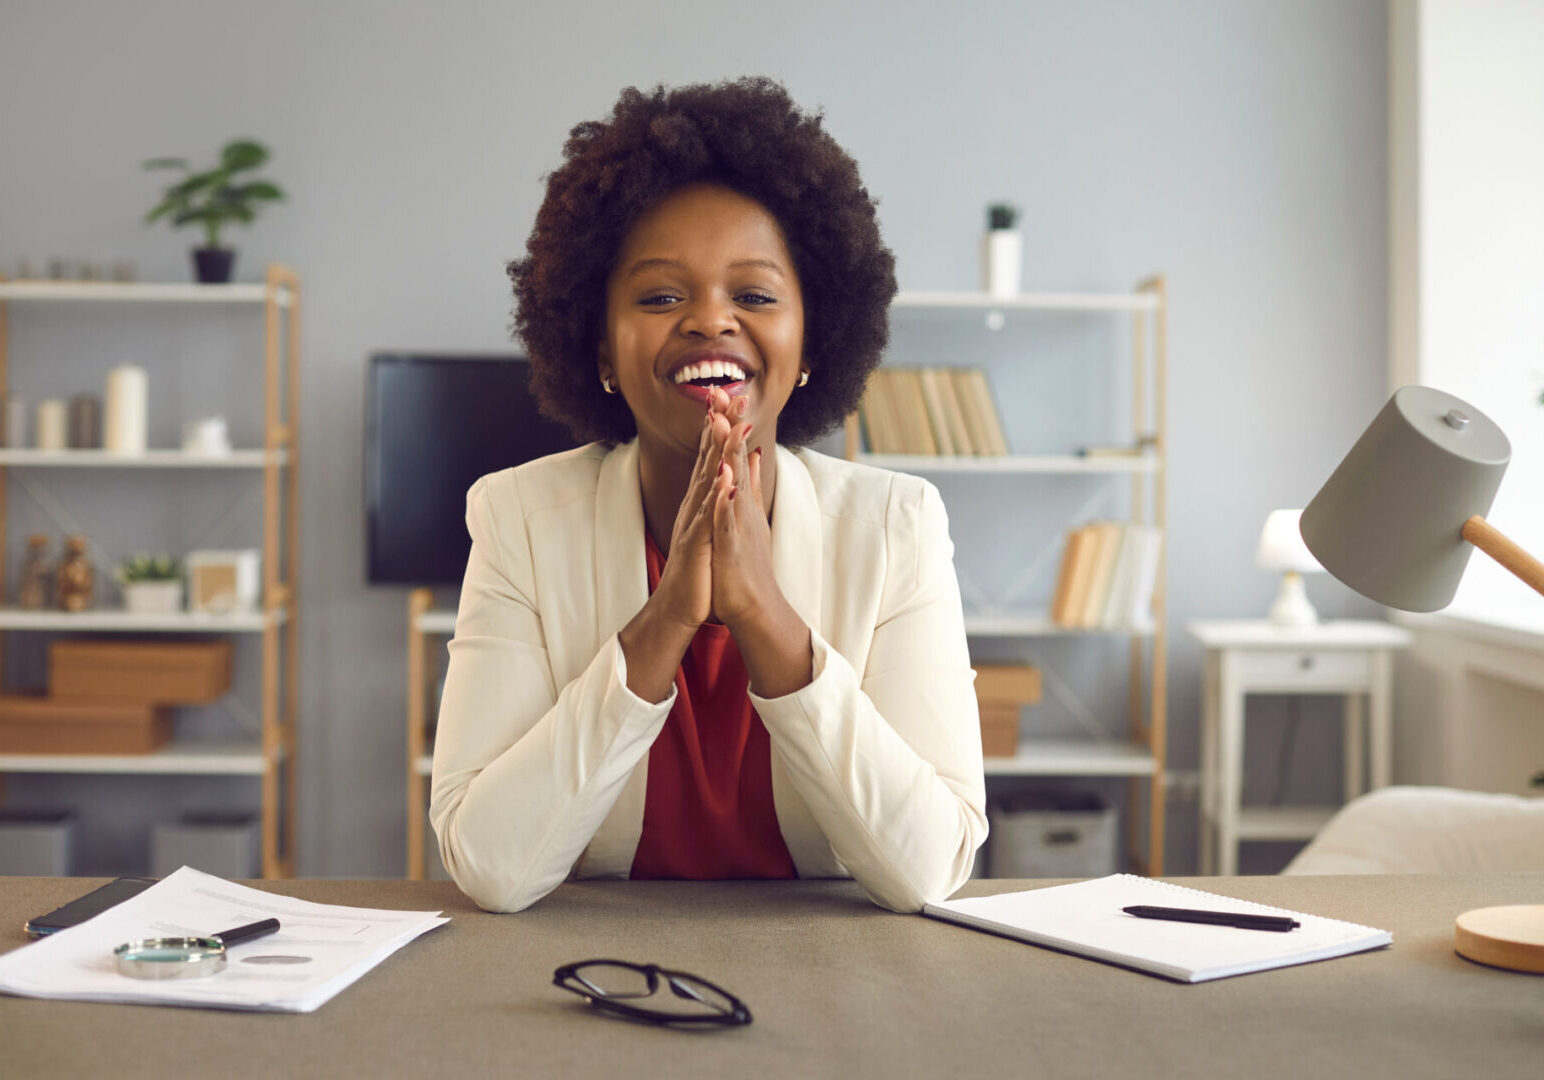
541 757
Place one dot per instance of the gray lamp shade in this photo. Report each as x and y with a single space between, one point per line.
1388 522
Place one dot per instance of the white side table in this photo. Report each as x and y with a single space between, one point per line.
1348 657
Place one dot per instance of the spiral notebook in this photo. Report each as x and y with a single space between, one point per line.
1086 918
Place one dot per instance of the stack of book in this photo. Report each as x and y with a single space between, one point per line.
932 410
1109 571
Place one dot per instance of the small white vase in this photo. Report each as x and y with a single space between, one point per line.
1002 258
153 597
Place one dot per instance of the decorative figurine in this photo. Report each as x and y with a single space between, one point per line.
36 575
76 577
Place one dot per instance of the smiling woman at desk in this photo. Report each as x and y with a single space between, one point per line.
693 649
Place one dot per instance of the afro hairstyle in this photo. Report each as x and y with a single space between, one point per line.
747 135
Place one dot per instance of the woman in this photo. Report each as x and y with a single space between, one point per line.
689 649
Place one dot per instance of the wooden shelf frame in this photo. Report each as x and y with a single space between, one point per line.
273 759
1142 759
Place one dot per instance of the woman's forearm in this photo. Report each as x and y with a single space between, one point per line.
775 646
652 646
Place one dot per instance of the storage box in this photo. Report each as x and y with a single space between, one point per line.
40 725
1002 690
1051 835
999 730
36 843
225 845
142 672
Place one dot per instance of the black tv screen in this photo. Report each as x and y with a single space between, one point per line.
433 425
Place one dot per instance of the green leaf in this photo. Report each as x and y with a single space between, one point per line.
243 154
261 189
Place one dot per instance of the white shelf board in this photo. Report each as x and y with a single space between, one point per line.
1140 301
1283 822
1045 463
1074 757
118 620
1039 624
438 621
977 624
181 758
150 459
140 292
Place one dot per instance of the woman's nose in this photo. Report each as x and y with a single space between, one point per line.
710 317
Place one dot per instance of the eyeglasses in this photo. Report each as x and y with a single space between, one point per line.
625 989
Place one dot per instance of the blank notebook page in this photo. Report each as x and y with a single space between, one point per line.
1086 918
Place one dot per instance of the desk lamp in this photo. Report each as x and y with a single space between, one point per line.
1282 548
1397 521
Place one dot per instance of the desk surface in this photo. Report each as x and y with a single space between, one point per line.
838 987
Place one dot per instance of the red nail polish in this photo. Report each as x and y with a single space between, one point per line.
732 492
748 429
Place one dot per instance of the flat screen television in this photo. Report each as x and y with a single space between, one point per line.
433 425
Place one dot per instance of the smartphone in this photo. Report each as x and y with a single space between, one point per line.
83 908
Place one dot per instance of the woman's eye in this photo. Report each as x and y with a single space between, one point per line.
658 300
756 298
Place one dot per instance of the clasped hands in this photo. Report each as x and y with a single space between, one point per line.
720 561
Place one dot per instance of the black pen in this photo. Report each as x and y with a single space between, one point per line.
1279 923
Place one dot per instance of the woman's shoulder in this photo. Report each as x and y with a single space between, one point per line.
542 482
858 491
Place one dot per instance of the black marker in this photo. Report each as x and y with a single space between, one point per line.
1279 923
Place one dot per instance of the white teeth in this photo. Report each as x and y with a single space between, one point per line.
712 369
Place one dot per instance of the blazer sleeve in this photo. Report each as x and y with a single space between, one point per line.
525 770
889 759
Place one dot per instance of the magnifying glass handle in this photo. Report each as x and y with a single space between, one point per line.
246 933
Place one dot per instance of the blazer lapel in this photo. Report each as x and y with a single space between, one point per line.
621 589
798 563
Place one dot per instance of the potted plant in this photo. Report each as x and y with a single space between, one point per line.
212 198
152 584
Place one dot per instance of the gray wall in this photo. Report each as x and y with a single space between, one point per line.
1238 147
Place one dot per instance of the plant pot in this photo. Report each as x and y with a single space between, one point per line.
213 265
153 597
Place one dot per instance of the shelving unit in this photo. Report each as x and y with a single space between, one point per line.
1142 756
270 757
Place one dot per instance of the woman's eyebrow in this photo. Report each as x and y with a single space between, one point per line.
676 264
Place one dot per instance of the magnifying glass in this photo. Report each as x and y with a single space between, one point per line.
185 957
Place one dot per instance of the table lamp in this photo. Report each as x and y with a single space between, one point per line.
1397 521
1282 548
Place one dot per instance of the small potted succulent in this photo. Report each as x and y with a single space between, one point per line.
212 198
152 584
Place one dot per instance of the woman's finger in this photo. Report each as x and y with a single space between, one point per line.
754 468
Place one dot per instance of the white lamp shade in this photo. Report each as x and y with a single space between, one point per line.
1282 547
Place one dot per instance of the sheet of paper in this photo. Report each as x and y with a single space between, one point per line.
318 950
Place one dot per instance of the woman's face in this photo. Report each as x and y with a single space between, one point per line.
703 294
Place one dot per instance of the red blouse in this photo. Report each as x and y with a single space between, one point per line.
708 809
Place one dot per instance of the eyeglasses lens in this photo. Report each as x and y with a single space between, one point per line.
688 996
615 980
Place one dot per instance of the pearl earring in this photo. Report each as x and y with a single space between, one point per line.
804 377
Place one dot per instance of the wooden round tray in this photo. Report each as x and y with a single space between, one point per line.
1506 937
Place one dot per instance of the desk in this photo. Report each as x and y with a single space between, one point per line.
838 988
1351 658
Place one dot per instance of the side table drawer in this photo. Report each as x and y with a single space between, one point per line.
1303 669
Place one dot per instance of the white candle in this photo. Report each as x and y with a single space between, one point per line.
127 409
53 425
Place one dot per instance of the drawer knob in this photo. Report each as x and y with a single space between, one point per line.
1305 663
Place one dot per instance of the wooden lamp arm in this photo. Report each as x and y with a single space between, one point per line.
1485 536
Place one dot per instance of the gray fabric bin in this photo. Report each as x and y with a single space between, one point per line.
225 845
36 843
1051 836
